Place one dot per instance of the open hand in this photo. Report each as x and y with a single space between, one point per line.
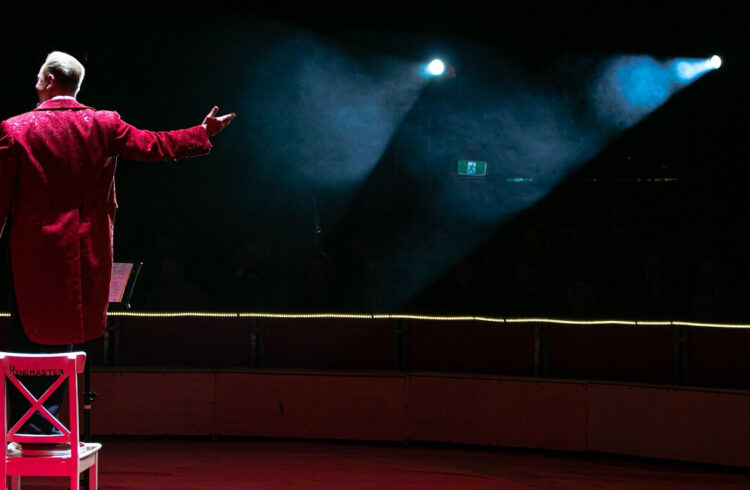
213 124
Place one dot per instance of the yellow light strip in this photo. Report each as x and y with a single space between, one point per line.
174 314
427 317
305 315
570 322
359 316
710 325
490 320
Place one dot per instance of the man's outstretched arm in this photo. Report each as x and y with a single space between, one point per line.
137 144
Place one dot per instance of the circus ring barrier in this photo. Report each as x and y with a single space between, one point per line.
672 390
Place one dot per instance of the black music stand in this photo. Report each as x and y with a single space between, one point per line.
121 288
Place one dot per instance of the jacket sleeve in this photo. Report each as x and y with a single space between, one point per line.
151 146
8 169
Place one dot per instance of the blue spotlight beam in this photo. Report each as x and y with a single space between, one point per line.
688 70
631 87
324 116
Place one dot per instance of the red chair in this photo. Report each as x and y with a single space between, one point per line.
46 455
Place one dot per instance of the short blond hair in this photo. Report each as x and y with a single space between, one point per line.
67 70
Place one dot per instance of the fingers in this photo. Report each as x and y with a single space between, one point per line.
213 112
215 124
227 118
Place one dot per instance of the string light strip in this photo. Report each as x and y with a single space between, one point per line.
175 314
355 316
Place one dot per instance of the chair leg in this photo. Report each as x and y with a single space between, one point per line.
75 482
15 482
94 473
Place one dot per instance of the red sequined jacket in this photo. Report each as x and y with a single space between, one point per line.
57 166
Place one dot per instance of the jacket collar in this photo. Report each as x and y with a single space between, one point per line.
57 104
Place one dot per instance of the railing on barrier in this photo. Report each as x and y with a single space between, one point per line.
663 352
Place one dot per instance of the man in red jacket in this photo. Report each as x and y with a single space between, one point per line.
57 165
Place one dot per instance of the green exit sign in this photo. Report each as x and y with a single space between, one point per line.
472 167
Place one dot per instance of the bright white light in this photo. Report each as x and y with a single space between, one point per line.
686 70
436 67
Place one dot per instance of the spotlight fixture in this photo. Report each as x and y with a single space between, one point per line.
435 68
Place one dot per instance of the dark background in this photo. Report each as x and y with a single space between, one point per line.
611 239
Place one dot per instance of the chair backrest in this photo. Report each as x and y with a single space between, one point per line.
59 368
